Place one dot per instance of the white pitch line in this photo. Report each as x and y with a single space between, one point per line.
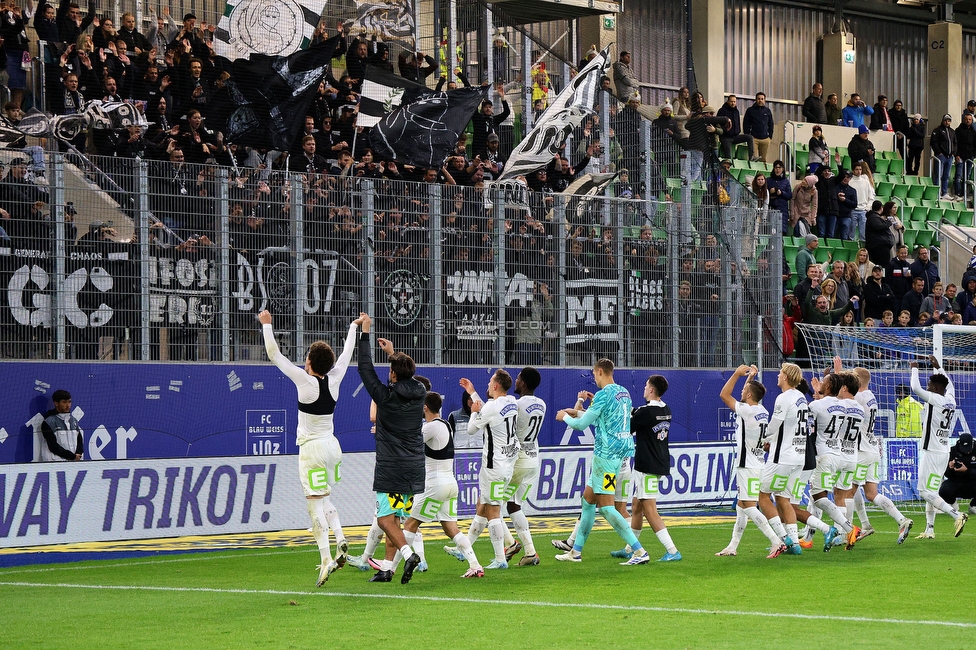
486 601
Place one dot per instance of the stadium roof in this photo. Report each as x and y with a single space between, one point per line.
523 12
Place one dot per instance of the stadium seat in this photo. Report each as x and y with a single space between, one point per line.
739 163
802 159
885 188
757 166
951 216
966 218
911 202
915 191
919 214
842 255
909 236
935 214
846 161
896 166
929 203
931 192
881 166
741 152
821 254
926 180
908 179
832 243
924 238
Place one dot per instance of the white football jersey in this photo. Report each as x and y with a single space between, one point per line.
437 435
750 434
788 429
828 417
498 418
869 441
937 415
531 413
851 435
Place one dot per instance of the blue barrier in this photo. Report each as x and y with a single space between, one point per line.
133 410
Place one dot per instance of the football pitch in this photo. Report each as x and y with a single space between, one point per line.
878 594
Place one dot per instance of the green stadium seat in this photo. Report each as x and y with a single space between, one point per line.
925 238
739 163
821 254
916 191
896 166
842 255
919 214
966 218
930 204
885 188
832 243
901 191
802 159
887 155
757 166
951 216
846 161
741 152
910 180
931 192
909 236
881 166
911 202
936 214
926 180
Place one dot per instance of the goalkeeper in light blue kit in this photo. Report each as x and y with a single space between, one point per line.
609 413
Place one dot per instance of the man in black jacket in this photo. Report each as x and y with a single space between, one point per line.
878 238
916 143
484 122
860 148
898 273
399 472
965 152
878 297
960 474
813 106
943 144
733 134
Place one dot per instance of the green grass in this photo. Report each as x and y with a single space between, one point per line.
266 598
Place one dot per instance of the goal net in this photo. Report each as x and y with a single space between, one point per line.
887 353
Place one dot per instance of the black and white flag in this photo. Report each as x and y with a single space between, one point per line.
270 27
390 20
423 132
565 113
382 93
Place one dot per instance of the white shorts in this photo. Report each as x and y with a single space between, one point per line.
645 486
931 468
780 480
846 470
318 465
748 480
868 468
824 477
624 481
796 498
524 478
494 485
437 503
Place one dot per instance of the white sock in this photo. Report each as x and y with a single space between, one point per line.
835 513
522 527
665 538
496 530
478 525
406 551
332 516
320 528
741 521
816 523
509 539
849 510
862 512
572 537
890 509
777 525
462 543
386 565
373 539
757 517
791 530
416 542
929 516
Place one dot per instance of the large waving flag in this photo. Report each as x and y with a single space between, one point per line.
269 27
565 113
387 19
274 94
424 131
383 93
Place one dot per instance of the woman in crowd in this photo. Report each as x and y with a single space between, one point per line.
780 193
819 152
803 207
863 264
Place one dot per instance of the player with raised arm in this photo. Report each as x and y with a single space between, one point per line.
501 449
855 418
938 416
531 413
400 463
440 497
609 413
651 425
319 453
752 419
869 462
787 437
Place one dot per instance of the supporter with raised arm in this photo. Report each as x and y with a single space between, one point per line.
319 453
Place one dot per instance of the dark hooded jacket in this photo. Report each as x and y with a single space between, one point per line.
400 464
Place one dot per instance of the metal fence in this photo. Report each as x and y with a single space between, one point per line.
123 258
